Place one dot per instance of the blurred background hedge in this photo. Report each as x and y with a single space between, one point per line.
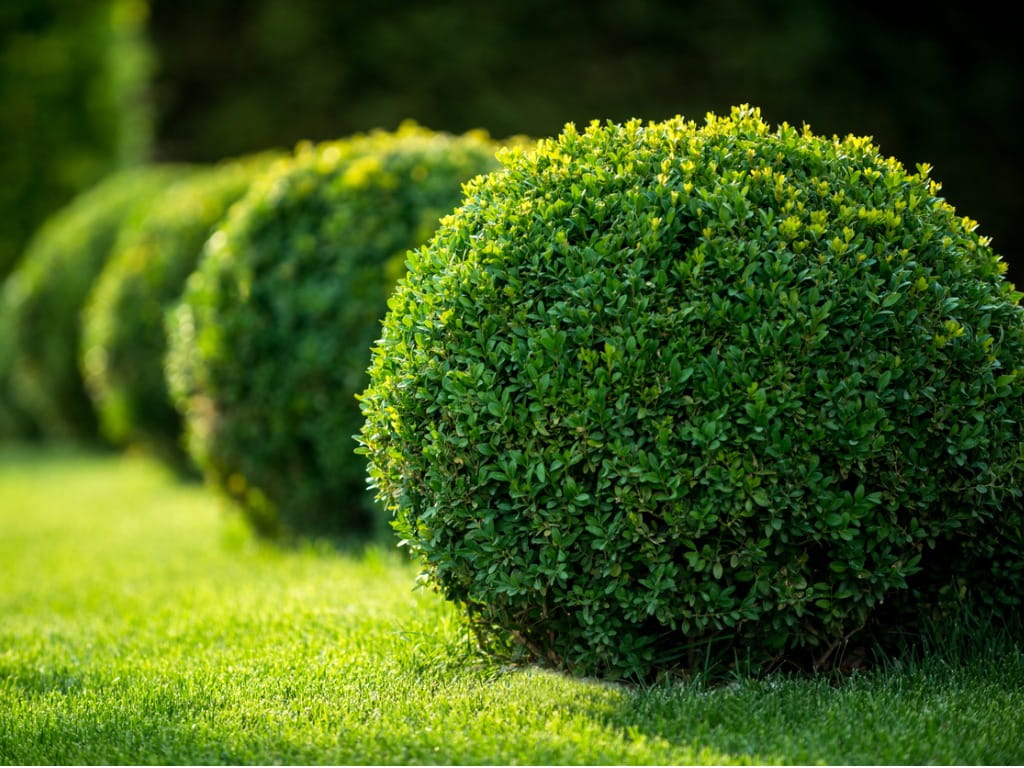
73 105
942 85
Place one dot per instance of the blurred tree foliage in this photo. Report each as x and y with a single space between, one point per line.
72 89
939 83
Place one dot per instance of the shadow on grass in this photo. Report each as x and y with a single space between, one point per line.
954 700
926 712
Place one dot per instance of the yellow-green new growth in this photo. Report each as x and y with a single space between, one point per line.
665 386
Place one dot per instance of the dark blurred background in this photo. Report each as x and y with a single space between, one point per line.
938 83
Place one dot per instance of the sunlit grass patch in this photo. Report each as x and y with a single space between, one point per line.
140 624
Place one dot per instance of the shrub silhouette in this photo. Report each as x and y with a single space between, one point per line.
44 296
658 386
123 339
271 341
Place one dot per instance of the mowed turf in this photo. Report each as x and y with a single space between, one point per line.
141 624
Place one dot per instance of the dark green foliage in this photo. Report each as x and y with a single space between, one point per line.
44 296
311 69
272 338
123 340
659 386
15 424
72 86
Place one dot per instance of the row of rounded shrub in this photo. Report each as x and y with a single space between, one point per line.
273 338
648 389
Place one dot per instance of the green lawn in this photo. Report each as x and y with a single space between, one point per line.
139 624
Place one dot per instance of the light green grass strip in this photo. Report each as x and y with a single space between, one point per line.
138 625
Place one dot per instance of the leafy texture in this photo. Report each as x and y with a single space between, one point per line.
123 341
271 341
664 387
44 296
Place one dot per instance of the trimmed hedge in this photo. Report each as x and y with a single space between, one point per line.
272 338
123 338
663 387
44 296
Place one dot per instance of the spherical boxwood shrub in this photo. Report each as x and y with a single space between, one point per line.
271 341
657 388
44 296
123 340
